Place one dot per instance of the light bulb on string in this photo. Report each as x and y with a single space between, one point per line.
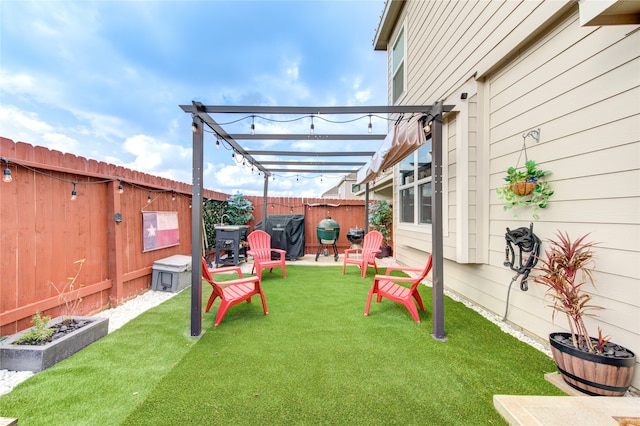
7 172
253 126
370 127
312 127
120 187
149 198
173 196
217 142
74 194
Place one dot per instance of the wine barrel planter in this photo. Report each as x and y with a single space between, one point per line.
593 374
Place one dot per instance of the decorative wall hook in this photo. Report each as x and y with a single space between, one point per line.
535 135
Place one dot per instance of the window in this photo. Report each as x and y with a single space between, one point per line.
355 187
415 185
398 68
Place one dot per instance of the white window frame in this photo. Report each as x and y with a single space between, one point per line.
416 186
400 67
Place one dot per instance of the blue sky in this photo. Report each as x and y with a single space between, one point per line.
103 80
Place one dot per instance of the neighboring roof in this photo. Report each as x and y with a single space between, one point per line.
336 189
387 23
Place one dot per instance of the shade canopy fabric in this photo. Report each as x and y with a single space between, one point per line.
400 142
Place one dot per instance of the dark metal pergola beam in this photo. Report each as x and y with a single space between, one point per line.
303 137
312 153
301 110
197 110
321 171
315 163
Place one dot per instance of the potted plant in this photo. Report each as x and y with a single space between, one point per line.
381 219
50 341
239 210
592 365
525 187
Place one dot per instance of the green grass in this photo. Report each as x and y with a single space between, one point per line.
315 359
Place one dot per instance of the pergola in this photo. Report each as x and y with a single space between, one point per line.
201 115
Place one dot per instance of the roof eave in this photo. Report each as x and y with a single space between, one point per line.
387 23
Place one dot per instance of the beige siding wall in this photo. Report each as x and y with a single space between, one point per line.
528 65
580 86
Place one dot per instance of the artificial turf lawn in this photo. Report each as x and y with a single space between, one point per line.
315 359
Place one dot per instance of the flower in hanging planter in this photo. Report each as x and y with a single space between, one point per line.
525 187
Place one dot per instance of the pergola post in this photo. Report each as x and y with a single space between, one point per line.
436 225
366 208
196 227
264 202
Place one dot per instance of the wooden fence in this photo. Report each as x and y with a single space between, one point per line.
43 232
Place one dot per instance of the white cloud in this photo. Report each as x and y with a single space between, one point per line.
21 126
158 158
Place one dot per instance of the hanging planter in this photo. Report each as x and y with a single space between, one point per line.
522 188
526 186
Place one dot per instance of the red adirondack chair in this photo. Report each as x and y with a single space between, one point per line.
231 292
386 286
260 249
365 256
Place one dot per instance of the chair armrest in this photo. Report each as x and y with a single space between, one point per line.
251 279
371 252
282 252
227 270
394 278
350 251
402 269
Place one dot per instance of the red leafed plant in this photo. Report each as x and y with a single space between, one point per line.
566 268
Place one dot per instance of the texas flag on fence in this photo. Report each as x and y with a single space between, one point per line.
159 230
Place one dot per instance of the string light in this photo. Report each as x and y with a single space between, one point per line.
7 172
312 127
370 128
194 127
217 142
253 126
74 192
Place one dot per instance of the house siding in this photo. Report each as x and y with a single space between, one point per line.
530 65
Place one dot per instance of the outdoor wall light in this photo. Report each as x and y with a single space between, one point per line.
117 217
74 194
7 172
463 95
